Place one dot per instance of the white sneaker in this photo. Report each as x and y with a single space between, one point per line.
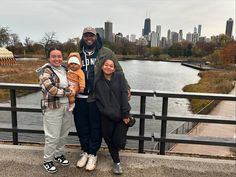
91 164
83 160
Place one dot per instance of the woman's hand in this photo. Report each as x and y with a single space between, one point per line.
126 120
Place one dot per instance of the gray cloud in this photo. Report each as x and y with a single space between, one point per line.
32 18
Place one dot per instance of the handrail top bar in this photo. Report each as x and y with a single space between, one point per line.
194 95
142 92
134 92
19 86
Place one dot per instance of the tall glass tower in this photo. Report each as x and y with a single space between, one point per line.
229 27
108 31
147 26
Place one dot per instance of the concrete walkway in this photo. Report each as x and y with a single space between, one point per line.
26 161
224 108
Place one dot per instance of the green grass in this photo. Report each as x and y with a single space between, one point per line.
211 82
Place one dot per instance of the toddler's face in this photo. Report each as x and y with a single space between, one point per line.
73 66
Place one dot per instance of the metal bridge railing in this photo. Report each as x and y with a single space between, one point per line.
162 138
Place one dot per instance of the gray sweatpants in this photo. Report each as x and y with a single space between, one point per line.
56 123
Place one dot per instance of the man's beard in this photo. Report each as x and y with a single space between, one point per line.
89 47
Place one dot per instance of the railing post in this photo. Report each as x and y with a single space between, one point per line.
142 123
163 125
14 116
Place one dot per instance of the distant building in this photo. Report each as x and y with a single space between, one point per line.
189 37
169 38
127 37
229 27
108 31
147 27
153 39
100 31
142 41
158 32
195 29
163 42
199 30
118 37
132 38
174 37
202 39
180 35
195 37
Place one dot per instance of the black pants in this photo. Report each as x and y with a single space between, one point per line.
114 134
88 125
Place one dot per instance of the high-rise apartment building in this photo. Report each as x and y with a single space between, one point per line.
147 27
158 32
169 38
174 37
189 37
180 35
108 31
199 30
153 39
229 27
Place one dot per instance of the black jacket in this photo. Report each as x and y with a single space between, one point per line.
112 96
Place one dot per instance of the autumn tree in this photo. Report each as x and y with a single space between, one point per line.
228 54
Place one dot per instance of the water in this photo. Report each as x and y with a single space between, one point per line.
141 75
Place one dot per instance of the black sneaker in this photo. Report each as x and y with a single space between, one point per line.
62 160
50 167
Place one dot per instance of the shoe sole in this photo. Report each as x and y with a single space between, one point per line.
90 169
51 172
61 163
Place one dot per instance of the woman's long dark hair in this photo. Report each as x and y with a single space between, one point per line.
56 47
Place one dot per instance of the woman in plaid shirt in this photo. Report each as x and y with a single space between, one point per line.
57 118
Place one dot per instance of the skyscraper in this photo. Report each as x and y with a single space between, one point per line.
153 39
108 31
147 26
199 30
180 35
158 31
169 38
229 27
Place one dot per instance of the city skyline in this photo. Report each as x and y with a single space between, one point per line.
33 18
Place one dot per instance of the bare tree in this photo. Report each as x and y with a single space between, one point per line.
14 39
48 40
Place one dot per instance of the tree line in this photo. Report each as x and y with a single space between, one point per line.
220 51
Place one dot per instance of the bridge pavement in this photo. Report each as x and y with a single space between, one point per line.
224 108
26 161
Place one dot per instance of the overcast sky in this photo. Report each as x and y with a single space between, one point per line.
32 18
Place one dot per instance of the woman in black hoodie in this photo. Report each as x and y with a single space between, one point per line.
112 101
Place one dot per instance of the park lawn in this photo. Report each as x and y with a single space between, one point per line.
220 81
